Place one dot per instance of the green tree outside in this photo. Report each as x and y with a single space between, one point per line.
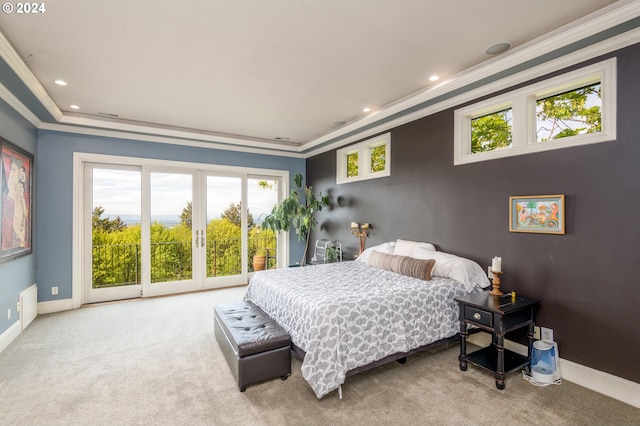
567 114
187 215
234 214
378 158
352 165
378 161
116 254
491 132
106 224
223 250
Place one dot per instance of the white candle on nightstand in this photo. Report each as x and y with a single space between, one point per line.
496 264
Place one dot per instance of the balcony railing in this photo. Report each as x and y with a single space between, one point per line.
119 264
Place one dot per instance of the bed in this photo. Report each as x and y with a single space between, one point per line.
345 316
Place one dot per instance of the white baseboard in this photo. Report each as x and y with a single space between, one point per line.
615 387
9 335
43 308
55 306
607 384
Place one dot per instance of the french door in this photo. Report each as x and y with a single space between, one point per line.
163 230
168 244
113 196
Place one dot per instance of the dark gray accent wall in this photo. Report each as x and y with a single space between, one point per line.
587 280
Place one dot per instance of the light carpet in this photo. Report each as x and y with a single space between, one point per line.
156 362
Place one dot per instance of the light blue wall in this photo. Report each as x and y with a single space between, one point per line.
54 189
18 274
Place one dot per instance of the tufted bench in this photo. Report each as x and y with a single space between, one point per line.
254 345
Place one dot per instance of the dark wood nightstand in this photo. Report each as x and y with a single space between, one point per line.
497 315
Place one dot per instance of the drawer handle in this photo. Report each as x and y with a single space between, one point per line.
477 316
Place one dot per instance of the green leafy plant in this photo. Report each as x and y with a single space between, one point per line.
490 132
331 254
567 114
297 211
570 113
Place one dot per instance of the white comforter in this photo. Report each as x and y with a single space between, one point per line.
346 315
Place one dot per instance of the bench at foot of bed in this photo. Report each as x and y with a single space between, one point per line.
254 345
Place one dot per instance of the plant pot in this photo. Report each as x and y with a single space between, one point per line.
259 262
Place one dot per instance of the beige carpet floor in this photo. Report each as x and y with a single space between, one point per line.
156 362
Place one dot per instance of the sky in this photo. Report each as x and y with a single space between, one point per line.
118 192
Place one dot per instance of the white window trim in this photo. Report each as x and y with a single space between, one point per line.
364 159
523 104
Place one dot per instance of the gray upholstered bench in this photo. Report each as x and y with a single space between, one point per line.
254 345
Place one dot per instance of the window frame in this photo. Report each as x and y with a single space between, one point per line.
81 192
364 151
523 104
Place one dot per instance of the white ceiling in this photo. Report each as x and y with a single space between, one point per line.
258 70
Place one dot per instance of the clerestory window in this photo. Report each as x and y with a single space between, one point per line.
366 160
573 109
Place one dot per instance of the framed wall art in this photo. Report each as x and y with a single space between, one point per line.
16 203
539 213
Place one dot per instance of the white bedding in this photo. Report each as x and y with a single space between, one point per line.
349 314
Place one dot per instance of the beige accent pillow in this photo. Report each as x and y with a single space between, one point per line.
416 268
380 260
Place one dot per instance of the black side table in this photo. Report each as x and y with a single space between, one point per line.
497 315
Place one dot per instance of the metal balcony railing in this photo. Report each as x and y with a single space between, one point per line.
120 264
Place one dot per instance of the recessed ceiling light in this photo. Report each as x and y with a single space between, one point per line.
366 109
434 78
281 138
74 106
60 82
339 123
497 48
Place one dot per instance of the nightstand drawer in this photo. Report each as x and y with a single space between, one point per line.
478 316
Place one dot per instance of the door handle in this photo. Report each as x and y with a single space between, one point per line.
197 238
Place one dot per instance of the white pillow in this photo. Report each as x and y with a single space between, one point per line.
386 248
406 248
455 267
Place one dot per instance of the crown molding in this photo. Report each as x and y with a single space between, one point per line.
212 143
128 129
11 57
176 132
464 79
380 121
579 30
15 103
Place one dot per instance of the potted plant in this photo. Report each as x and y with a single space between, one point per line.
259 259
297 210
331 254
